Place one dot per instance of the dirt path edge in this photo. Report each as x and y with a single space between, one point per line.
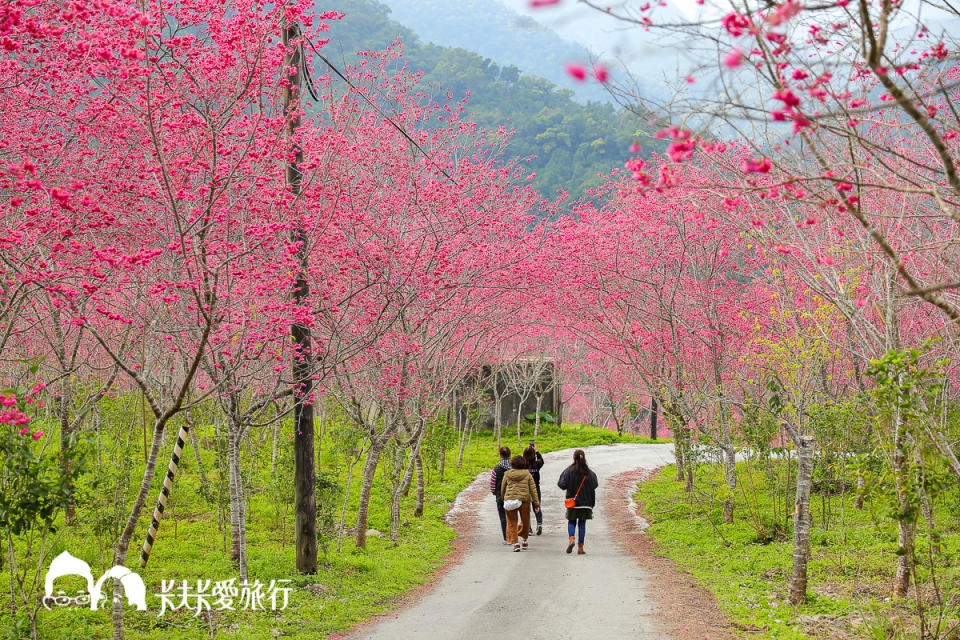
686 609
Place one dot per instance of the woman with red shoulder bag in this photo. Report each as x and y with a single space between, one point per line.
580 484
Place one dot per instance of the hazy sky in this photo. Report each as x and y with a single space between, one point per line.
662 64
611 39
650 58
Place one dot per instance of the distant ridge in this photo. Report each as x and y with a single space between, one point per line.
570 143
496 31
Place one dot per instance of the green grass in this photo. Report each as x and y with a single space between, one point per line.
853 554
193 543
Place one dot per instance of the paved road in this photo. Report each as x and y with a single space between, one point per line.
542 593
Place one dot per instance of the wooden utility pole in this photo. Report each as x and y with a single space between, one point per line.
304 474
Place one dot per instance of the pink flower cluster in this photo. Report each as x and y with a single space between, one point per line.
751 165
578 72
11 413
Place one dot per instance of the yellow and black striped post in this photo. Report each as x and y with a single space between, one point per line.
164 494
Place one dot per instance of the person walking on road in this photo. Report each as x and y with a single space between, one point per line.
496 485
580 483
534 463
519 492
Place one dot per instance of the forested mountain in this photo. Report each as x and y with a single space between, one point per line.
495 31
572 142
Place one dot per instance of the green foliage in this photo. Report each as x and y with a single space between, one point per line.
904 392
37 484
553 437
33 485
442 436
193 542
747 564
904 385
545 416
879 626
328 491
568 143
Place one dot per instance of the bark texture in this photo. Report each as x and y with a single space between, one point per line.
801 521
304 483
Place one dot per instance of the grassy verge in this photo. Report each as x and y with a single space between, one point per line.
352 584
746 564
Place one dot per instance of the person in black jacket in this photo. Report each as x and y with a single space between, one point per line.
534 463
580 483
496 481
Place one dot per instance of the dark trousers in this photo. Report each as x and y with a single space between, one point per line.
539 512
503 518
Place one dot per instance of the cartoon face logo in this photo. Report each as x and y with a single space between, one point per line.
68 565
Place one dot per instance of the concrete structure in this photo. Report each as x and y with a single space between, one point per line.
520 382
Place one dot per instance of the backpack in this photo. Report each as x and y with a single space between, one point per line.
497 489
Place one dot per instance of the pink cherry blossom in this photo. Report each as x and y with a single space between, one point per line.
576 71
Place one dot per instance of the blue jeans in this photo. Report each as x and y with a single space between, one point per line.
572 527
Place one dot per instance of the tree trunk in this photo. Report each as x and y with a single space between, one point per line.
497 409
238 515
613 414
729 463
408 477
241 509
536 424
654 414
463 439
369 470
730 475
801 521
395 499
906 531
243 524
519 416
234 508
675 419
678 455
927 509
65 432
906 522
726 442
304 473
346 499
123 543
685 471
861 483
421 487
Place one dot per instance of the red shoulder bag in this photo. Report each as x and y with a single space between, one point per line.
570 503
